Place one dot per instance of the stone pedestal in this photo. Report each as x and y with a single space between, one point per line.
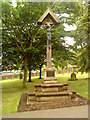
50 76
50 92
49 72
50 89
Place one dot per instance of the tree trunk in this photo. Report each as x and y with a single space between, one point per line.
29 76
25 70
40 72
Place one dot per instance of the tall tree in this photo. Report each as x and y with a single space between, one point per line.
20 26
82 38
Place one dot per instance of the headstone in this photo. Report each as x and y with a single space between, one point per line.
73 76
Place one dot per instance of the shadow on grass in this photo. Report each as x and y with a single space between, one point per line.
84 79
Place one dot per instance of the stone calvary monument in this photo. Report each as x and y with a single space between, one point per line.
50 89
48 20
50 93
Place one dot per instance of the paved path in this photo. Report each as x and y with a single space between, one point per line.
69 112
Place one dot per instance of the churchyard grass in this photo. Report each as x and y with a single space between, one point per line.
11 93
80 85
12 89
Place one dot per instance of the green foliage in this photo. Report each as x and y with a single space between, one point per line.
82 38
21 35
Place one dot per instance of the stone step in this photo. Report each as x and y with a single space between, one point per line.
51 85
30 96
49 78
42 97
31 93
50 82
67 92
53 93
54 87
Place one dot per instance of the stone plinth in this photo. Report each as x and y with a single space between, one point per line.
50 76
50 89
49 72
50 92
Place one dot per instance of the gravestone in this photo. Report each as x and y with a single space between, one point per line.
73 76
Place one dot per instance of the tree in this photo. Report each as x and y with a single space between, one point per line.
37 55
78 14
20 25
82 38
21 28
62 53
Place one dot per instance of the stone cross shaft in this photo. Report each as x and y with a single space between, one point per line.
49 55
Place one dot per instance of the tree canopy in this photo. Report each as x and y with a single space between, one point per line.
24 42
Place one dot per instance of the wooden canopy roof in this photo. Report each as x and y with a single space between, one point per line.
49 14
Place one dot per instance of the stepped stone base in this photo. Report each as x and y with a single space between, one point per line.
48 95
50 90
32 105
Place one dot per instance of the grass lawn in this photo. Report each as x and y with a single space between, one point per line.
80 85
12 89
11 93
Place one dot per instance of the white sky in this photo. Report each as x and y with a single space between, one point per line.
69 40
14 3
70 27
64 14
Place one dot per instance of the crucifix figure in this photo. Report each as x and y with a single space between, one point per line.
49 52
48 20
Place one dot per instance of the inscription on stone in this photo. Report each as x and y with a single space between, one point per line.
50 74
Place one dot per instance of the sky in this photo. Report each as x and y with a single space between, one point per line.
14 3
69 40
70 27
